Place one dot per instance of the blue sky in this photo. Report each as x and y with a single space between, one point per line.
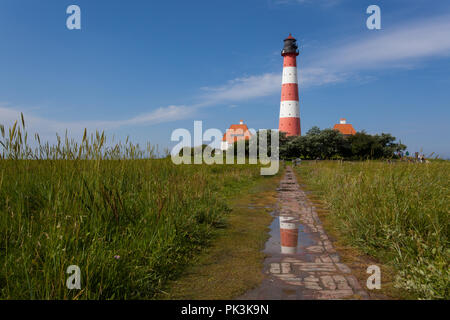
144 68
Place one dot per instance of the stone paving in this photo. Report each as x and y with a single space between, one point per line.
301 261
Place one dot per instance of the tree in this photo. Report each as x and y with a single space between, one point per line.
331 144
323 144
362 145
366 146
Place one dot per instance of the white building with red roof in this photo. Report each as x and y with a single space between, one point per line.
345 128
235 133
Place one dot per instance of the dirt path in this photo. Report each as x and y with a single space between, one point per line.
301 262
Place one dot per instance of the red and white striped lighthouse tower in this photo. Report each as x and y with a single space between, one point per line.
289 106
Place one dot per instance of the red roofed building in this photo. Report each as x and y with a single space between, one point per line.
236 132
345 128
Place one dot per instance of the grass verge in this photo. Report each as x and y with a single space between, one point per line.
233 263
393 214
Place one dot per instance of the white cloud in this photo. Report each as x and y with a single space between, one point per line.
48 128
317 76
392 47
241 89
163 114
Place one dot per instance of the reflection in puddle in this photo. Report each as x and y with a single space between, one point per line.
287 236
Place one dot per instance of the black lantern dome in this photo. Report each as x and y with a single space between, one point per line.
290 46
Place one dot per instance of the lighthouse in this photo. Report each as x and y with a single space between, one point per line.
289 106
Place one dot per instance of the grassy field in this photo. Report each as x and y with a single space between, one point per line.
397 213
129 223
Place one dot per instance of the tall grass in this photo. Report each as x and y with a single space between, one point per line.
128 221
396 212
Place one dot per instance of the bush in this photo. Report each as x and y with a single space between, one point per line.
331 144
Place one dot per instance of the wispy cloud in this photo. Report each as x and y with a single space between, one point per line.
163 114
391 47
48 127
241 89
317 76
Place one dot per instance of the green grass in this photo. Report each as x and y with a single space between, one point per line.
397 213
57 209
233 263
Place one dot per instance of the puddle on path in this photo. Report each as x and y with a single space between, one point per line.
287 237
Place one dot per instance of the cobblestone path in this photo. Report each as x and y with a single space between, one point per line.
301 262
